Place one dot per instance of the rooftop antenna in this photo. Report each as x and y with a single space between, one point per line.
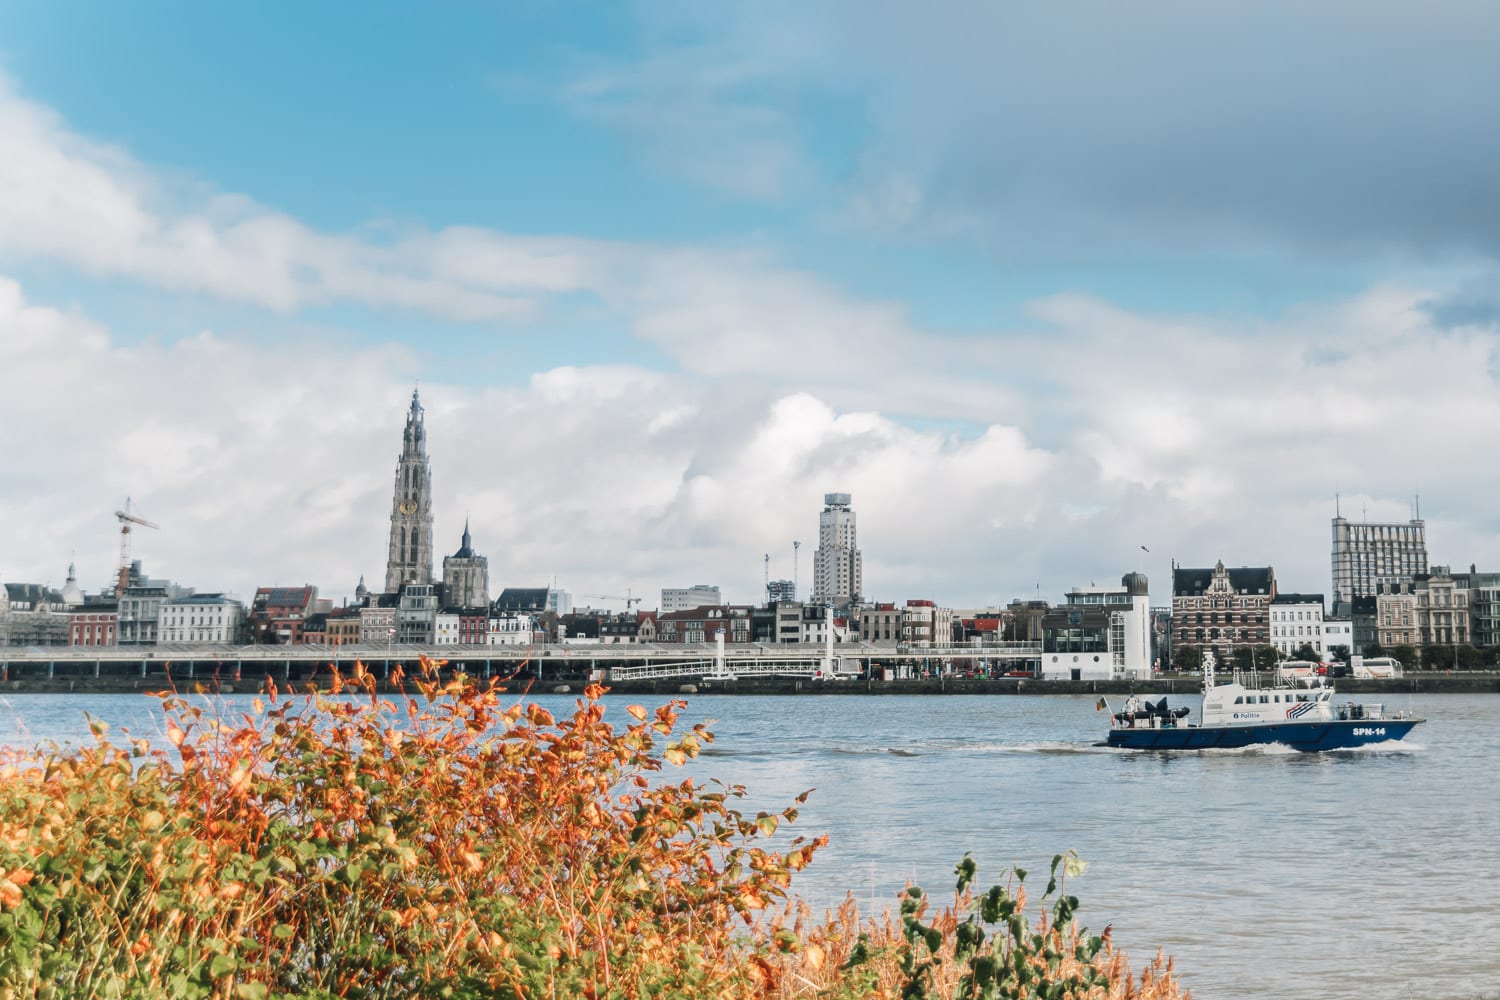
1336 512
768 575
1417 500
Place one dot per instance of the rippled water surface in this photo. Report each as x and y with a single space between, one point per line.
1265 873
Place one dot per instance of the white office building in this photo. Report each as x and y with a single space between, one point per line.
699 595
201 618
838 568
1297 621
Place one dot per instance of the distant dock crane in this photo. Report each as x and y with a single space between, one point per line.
126 519
630 602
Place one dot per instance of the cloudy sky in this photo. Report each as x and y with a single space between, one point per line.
1038 284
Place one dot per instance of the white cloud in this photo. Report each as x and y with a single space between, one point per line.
611 476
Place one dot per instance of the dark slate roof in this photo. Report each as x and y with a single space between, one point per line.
282 597
1297 599
1244 580
522 599
32 594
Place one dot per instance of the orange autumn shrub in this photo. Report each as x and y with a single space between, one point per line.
447 843
344 844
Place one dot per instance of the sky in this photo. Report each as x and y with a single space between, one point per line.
1056 292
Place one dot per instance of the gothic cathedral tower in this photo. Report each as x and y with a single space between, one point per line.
410 559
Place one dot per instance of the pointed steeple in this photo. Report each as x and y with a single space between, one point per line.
409 557
466 550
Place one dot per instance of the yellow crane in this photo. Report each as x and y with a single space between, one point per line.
126 519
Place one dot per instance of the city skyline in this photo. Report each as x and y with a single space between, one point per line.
666 278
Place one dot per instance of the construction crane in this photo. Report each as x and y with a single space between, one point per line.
126 519
630 602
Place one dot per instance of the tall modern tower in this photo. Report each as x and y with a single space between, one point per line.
410 558
838 569
1366 555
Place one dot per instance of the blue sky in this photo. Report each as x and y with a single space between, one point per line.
1174 273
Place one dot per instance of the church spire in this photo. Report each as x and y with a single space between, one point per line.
410 554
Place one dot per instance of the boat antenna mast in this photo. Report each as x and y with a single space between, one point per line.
1208 669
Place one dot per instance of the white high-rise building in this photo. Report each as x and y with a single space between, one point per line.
838 569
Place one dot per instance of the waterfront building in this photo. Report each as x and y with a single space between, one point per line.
511 628
1100 633
1297 621
880 624
699 595
703 624
416 615
94 624
1484 608
645 626
838 567
473 626
1396 615
559 602
1338 638
923 623
278 614
342 627
1368 555
619 628
377 621
780 590
1442 608
32 615
786 621
202 618
140 612
1364 619
1221 609
466 576
409 559
445 628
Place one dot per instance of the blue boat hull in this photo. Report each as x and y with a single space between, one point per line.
1306 736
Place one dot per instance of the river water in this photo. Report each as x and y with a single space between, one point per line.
1363 874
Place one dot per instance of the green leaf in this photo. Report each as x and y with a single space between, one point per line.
222 965
251 991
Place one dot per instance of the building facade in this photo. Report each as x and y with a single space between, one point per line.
838 567
780 590
416 615
32 615
409 559
94 624
1484 608
1367 555
1297 621
703 624
277 614
700 595
1396 615
140 613
1100 633
1442 608
1222 609
202 618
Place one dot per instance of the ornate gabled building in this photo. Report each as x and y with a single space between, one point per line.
410 556
1222 609
32 615
466 577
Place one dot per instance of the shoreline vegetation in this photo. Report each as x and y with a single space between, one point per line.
456 840
1412 682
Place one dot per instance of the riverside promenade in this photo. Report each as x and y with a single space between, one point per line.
624 668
